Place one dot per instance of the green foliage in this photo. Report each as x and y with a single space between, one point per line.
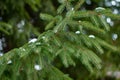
5 28
70 35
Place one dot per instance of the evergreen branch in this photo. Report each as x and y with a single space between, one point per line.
102 20
87 25
60 42
104 44
61 8
79 3
46 17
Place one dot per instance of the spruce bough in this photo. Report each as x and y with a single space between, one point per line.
60 40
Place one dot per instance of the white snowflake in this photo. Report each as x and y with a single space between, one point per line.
77 32
33 40
99 9
91 36
37 67
72 9
9 62
114 36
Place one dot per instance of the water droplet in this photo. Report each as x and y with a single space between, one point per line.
108 4
108 20
118 0
9 62
21 24
43 37
88 2
113 3
37 67
115 11
91 36
72 9
77 32
111 23
98 9
114 36
33 40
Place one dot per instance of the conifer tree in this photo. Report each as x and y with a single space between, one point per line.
65 35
